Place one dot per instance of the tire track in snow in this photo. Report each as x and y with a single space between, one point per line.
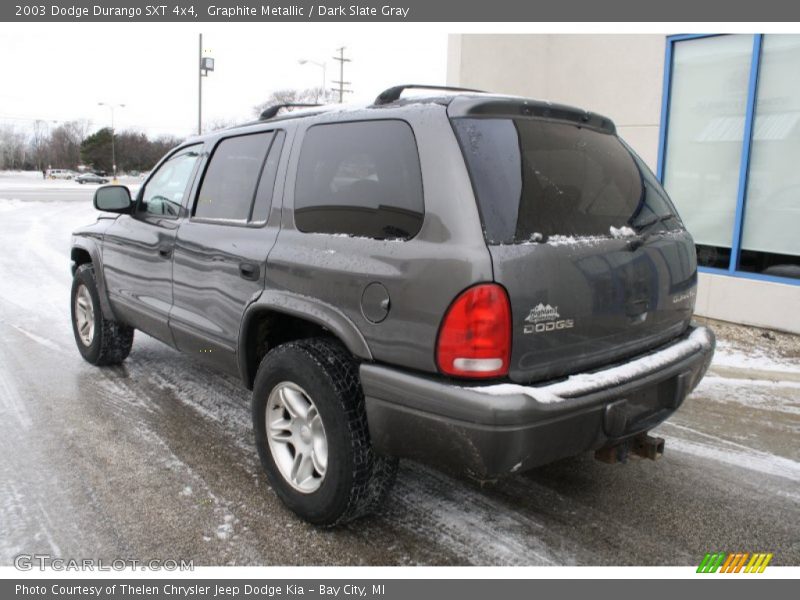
11 402
476 527
731 453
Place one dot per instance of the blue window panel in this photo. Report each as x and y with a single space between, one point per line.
745 157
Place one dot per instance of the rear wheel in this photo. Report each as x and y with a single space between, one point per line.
100 341
312 436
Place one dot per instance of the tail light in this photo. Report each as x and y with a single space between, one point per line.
475 335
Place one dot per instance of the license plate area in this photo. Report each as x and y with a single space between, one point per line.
641 410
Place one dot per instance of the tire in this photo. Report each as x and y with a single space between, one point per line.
355 479
100 341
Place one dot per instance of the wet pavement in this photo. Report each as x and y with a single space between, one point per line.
155 459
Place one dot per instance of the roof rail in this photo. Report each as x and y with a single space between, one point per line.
273 110
393 93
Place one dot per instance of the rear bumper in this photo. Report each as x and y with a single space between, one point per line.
491 430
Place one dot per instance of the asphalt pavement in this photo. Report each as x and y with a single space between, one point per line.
155 458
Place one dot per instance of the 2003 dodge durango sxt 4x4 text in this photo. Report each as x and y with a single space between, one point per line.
482 282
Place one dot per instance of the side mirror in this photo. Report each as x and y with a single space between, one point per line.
113 198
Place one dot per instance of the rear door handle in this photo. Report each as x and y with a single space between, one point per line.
165 251
249 271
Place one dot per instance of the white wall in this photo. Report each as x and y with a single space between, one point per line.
616 75
620 76
749 301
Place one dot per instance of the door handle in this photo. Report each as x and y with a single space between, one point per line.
165 251
249 271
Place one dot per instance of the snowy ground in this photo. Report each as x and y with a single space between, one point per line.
154 459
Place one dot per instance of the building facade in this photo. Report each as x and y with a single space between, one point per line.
717 117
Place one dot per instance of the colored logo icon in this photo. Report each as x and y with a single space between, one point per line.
734 562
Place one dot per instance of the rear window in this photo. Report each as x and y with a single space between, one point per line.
360 179
535 179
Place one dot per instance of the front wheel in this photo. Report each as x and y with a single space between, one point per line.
312 436
100 341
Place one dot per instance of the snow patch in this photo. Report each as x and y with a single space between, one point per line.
9 204
584 383
12 403
361 237
727 356
472 525
752 460
780 396
38 339
575 240
225 529
621 232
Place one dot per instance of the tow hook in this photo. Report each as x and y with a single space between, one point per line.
643 445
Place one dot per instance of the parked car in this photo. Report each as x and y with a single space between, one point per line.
90 178
482 282
60 174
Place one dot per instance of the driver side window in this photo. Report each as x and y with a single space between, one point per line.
164 192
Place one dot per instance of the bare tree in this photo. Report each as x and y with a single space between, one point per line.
40 144
13 148
217 124
65 144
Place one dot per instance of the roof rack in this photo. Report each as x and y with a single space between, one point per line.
393 93
273 110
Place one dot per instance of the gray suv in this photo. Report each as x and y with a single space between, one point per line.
482 282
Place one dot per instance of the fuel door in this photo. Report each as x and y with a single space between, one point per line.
375 302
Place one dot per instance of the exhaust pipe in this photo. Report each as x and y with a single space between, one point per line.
643 445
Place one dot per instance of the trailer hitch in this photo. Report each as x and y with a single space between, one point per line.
643 445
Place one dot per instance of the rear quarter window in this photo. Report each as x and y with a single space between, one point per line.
360 179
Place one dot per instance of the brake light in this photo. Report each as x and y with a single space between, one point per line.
475 335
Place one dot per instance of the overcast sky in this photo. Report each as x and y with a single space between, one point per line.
61 71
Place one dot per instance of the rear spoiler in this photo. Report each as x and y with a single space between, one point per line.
509 107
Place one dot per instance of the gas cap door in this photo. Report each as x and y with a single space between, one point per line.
375 302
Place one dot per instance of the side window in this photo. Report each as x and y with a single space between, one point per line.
229 185
266 185
163 194
361 179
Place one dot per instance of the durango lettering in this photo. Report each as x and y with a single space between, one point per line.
117 11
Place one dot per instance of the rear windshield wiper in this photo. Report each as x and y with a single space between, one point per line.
642 228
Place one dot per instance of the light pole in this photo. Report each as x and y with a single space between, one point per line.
113 152
342 83
324 68
206 64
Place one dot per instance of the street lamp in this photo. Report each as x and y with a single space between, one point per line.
206 65
323 66
113 154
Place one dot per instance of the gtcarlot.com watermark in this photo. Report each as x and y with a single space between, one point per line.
43 562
